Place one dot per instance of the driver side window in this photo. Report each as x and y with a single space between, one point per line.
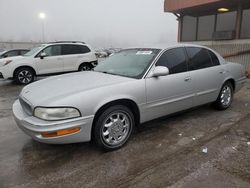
174 60
54 50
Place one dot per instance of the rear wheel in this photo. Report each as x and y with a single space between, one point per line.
24 75
85 67
113 127
225 97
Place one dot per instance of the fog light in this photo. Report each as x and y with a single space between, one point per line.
60 132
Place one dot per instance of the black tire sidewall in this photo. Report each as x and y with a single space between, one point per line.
100 123
85 65
20 70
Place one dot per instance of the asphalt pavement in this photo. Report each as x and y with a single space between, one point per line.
202 147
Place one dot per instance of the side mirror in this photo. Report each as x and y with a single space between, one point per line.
42 55
4 56
160 71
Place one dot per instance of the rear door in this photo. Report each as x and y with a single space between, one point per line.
74 55
171 93
52 63
207 74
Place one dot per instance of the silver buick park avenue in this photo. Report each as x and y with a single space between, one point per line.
131 87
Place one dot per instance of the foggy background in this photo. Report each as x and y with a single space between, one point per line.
101 23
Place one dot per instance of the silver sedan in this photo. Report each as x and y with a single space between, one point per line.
129 88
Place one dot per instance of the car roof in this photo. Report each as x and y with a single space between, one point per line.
169 46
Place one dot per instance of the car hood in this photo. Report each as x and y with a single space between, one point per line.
15 58
49 90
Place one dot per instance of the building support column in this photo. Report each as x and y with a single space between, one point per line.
179 19
238 22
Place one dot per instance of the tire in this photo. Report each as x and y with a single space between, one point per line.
86 67
225 97
113 127
24 76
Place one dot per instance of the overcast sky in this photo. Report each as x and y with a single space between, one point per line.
101 23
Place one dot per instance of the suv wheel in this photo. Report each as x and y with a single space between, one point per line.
24 76
114 127
85 67
225 97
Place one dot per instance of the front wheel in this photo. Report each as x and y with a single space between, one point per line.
113 127
24 76
225 97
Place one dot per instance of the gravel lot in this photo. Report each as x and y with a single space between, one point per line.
170 151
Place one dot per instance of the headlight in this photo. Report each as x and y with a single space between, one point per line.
52 114
7 62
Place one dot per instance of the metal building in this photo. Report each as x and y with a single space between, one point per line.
220 24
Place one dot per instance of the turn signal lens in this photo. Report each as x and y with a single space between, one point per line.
60 132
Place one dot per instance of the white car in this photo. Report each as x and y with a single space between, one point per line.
48 59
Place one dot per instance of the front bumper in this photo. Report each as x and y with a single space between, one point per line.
5 73
33 127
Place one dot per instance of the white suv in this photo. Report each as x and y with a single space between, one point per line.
48 59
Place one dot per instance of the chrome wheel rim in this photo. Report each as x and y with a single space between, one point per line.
25 76
226 96
116 128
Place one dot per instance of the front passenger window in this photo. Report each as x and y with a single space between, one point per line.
52 50
174 60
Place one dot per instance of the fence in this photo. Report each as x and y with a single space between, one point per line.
13 45
237 51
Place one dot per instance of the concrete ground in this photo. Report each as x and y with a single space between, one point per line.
199 148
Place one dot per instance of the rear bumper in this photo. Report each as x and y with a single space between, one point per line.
34 127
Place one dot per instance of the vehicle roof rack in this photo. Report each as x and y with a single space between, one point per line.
67 42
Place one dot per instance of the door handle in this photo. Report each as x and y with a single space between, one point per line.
187 79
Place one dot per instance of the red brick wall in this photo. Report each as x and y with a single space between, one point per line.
173 5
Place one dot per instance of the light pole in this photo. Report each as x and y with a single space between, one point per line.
42 16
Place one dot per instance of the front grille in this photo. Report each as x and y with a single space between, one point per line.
26 107
1 75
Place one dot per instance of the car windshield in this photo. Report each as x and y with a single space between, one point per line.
131 63
33 51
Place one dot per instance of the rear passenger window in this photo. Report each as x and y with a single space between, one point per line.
11 53
214 58
199 58
174 60
23 52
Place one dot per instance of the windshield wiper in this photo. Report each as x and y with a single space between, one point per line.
105 72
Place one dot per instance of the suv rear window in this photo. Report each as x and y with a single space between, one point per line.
68 49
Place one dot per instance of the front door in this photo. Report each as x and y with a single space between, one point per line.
52 62
171 93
